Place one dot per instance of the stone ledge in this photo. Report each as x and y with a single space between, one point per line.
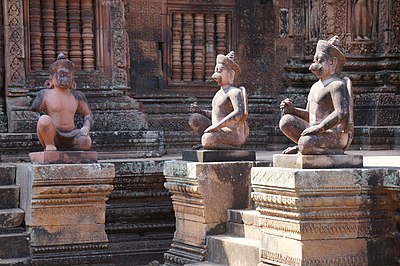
63 157
317 161
202 156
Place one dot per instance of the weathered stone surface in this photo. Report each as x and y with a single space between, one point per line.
9 196
317 161
202 194
7 174
60 157
10 218
14 243
332 216
64 208
218 155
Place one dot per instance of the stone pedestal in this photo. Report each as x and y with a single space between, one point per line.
203 156
64 208
317 161
327 217
63 157
201 195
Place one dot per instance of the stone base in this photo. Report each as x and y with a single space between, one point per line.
218 155
317 161
63 157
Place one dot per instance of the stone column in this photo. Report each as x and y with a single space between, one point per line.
201 195
326 216
64 208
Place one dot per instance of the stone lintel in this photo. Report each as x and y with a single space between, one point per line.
60 157
300 161
218 155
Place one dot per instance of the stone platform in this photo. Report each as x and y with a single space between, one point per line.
61 157
317 161
203 156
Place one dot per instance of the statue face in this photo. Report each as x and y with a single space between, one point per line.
63 78
222 75
322 65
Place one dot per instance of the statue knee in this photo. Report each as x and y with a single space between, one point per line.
286 123
306 145
207 141
84 143
45 121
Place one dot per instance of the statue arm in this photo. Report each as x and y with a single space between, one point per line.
194 108
38 104
238 114
84 110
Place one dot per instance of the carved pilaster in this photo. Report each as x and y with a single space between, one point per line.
187 46
36 35
119 44
87 34
14 47
221 24
198 65
395 26
61 27
75 41
210 48
176 46
49 36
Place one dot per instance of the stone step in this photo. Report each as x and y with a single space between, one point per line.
7 174
244 223
233 251
9 197
14 244
204 263
16 262
10 218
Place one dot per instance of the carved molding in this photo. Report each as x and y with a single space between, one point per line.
14 46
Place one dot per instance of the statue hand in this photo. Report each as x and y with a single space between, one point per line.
194 108
287 106
212 128
311 130
84 131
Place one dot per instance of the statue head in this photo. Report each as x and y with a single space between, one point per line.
227 70
61 73
328 58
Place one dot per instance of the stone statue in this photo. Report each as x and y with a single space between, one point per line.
60 101
363 19
326 125
314 20
225 126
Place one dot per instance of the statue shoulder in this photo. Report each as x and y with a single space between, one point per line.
80 96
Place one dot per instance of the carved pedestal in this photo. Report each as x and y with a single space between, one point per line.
201 195
64 208
327 216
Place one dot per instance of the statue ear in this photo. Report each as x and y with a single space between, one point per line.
231 76
333 66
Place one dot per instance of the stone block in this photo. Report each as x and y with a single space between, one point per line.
10 218
60 157
14 243
234 251
326 216
317 161
9 197
203 156
64 204
201 195
7 174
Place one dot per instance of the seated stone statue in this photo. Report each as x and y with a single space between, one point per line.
60 101
326 125
225 126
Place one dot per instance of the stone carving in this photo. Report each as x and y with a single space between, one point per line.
60 101
225 126
314 20
326 125
363 19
